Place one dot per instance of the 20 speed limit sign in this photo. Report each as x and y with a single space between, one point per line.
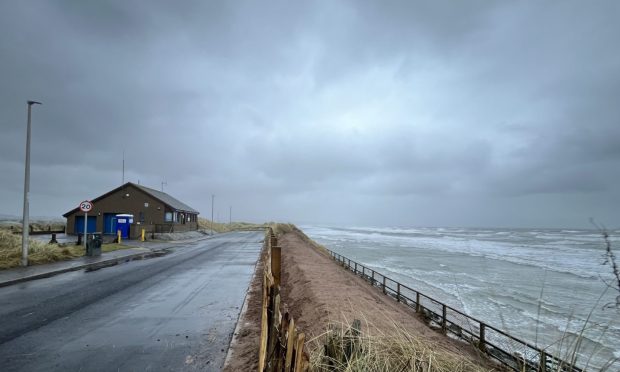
86 206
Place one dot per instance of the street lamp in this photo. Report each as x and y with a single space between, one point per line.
25 221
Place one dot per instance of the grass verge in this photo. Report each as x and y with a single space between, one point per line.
112 247
39 252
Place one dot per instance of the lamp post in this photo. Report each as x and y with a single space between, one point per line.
26 217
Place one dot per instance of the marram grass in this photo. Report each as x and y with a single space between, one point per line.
38 252
345 349
218 227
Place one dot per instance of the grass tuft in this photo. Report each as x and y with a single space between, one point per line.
351 349
38 252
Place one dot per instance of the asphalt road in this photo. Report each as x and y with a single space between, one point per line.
170 313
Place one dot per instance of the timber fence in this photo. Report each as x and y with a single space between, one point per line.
281 345
511 351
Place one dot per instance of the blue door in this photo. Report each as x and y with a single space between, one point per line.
124 228
79 224
109 223
122 225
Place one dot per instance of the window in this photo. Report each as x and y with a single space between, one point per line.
168 217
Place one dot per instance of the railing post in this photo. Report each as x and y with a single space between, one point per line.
384 292
363 271
355 268
418 307
542 367
481 342
373 278
397 291
444 325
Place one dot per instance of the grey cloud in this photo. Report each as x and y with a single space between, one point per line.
343 112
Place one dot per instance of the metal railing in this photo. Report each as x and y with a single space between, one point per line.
490 340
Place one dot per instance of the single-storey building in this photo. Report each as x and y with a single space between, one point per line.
140 206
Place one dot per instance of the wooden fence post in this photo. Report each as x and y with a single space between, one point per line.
398 292
290 345
264 331
355 269
384 292
299 357
273 344
276 264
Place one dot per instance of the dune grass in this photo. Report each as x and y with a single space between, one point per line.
39 252
352 349
36 225
218 227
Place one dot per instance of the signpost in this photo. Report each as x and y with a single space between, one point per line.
85 206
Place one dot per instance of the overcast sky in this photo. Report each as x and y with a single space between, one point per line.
455 113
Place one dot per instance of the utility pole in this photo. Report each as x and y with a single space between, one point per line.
212 201
26 215
162 185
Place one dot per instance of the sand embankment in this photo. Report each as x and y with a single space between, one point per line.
316 291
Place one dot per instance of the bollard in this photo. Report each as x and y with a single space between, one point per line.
53 241
118 236
79 241
143 231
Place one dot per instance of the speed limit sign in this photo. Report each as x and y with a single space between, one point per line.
86 206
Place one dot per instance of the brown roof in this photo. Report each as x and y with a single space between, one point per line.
159 195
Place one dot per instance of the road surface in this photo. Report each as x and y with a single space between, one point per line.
170 313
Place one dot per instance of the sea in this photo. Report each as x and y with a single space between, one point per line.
549 287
